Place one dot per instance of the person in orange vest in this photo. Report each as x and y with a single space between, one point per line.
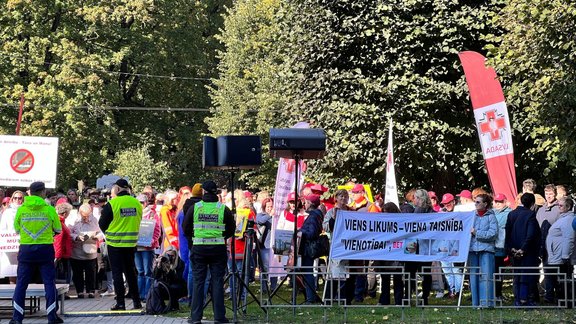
360 202
169 222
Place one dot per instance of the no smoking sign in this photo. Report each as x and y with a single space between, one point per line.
22 161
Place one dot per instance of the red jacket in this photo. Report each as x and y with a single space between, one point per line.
63 242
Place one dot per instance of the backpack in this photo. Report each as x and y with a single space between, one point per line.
155 300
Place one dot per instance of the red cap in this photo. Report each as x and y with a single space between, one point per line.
308 185
291 197
448 197
247 194
5 200
465 194
432 194
358 188
319 187
62 200
315 199
500 197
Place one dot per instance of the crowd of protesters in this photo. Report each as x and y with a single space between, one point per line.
539 231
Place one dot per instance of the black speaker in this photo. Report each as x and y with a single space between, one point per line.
209 153
232 152
307 143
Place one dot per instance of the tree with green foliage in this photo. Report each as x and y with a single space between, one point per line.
248 95
348 66
137 165
74 60
535 58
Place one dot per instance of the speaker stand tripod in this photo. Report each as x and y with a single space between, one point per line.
234 275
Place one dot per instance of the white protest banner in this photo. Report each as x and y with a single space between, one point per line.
402 237
9 241
26 159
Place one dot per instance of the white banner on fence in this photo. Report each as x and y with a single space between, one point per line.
402 237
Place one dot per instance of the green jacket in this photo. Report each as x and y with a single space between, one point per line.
36 222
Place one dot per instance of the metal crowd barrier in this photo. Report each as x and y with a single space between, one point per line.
412 299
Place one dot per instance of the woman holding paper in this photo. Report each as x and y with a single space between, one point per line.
144 255
85 235
481 255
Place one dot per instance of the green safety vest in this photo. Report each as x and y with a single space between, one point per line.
208 223
123 230
36 222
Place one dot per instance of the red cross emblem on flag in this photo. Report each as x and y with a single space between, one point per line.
493 125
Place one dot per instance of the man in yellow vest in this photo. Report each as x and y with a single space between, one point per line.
37 223
120 221
212 224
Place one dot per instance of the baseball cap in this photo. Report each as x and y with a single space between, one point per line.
500 197
465 194
210 186
122 183
5 200
291 197
432 194
358 188
314 199
319 187
446 198
247 194
37 186
142 198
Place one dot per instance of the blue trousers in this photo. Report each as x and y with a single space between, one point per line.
31 257
481 273
144 260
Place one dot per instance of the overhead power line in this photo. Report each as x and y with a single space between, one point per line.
142 75
184 109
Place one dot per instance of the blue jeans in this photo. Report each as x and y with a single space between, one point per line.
234 281
307 266
481 273
144 260
190 281
453 276
265 253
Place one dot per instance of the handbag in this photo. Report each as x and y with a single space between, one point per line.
319 247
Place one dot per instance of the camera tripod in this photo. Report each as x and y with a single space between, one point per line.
249 235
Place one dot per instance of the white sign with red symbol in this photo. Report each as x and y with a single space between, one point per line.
494 130
25 159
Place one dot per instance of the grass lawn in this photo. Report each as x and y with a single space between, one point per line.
439 311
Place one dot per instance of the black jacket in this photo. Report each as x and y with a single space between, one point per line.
523 232
107 215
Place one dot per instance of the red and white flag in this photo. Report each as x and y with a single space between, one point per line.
492 122
391 190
